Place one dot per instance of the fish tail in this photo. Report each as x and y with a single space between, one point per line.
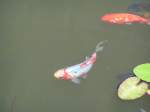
99 46
148 22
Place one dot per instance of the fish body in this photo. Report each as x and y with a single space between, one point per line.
74 72
124 18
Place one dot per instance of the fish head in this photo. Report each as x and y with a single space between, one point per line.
111 18
106 17
59 74
103 18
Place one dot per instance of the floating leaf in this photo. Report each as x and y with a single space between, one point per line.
131 89
143 71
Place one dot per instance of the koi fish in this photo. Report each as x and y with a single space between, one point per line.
75 72
124 18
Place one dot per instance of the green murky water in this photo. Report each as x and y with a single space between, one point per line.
39 37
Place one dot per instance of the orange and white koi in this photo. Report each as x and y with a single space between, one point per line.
77 71
124 18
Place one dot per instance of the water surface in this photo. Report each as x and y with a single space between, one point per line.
39 37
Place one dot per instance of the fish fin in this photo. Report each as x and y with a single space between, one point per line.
99 46
142 110
148 23
129 23
76 80
86 58
84 76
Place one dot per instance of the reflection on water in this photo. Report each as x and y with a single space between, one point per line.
38 37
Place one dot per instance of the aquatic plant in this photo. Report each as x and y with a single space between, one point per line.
132 88
142 71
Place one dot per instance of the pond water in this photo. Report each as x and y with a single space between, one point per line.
38 37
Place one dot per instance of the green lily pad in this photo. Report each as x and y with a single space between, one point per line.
132 88
143 71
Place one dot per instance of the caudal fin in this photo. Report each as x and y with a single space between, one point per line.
147 21
99 46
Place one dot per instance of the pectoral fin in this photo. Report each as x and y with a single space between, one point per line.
142 110
76 80
86 58
84 76
129 23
